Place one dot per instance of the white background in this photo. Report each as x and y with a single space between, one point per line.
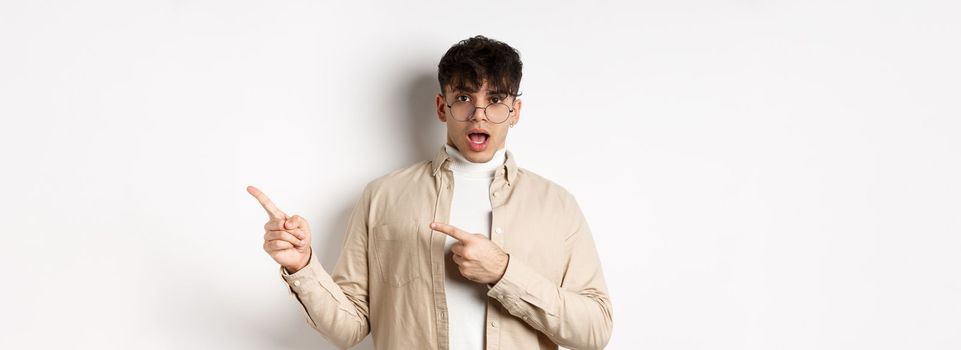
757 174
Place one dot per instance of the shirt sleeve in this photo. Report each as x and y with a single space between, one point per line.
336 304
576 314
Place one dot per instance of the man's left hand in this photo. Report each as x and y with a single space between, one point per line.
479 259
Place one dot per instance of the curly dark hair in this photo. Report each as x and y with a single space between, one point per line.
470 62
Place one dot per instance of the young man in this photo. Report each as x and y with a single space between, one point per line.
464 251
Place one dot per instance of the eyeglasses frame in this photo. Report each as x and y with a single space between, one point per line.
510 109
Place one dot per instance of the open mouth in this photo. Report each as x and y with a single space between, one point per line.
477 139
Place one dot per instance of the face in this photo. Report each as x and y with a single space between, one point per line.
477 138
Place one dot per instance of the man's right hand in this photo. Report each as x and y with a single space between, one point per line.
286 239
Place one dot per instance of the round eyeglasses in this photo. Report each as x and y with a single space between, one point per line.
496 113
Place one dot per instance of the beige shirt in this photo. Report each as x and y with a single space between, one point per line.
389 279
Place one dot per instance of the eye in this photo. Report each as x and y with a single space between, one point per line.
462 98
496 100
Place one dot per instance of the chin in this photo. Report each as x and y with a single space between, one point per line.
478 157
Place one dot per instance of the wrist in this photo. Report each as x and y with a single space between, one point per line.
506 259
301 265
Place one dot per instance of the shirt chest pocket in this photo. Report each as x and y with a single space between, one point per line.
396 251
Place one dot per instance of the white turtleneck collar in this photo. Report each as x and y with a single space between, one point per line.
461 165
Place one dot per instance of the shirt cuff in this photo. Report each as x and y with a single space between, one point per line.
306 280
297 281
522 285
513 281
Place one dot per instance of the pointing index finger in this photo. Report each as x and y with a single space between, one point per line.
268 205
452 231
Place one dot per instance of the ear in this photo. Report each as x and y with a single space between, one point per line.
517 111
441 112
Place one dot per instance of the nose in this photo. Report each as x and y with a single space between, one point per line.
473 115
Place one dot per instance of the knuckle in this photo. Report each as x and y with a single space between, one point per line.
272 225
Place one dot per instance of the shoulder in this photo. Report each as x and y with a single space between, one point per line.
398 179
543 187
553 198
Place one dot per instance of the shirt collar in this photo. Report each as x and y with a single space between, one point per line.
442 159
462 165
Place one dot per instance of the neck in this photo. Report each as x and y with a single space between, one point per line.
463 165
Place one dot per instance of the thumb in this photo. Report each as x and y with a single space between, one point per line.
294 222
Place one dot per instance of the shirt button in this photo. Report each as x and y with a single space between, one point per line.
497 230
494 324
297 283
496 193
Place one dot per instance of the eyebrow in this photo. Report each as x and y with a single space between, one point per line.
472 91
